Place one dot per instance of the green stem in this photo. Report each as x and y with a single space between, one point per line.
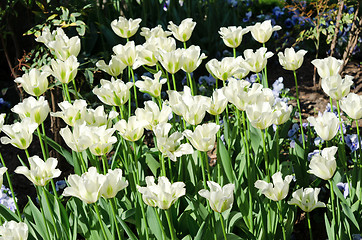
51 212
113 206
174 81
207 166
170 225
11 188
265 74
278 151
234 52
342 136
105 164
185 45
309 227
298 104
188 75
66 91
359 143
134 87
222 224
41 144
168 82
281 220
333 207
100 220
265 155
202 169
83 166
75 89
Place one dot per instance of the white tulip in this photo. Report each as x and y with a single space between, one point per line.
325 125
262 32
324 164
277 190
37 110
306 199
220 198
125 28
184 30
204 136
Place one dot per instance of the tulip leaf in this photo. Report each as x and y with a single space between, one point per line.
7 214
153 222
152 163
231 236
224 158
127 229
347 211
62 151
32 212
329 229
200 233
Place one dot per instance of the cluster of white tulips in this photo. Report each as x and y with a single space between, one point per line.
109 155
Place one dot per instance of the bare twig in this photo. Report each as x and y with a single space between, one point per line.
336 29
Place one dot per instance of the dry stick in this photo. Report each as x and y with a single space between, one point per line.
336 29
352 40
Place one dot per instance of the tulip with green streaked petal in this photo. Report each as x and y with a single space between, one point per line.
19 134
171 145
220 198
324 164
291 60
40 172
336 87
152 114
97 117
78 140
163 194
262 32
192 58
283 112
72 114
232 35
184 31
86 187
131 130
14 231
256 61
64 71
218 102
125 28
223 69
114 68
154 32
102 140
204 136
352 105
63 47
325 125
113 183
277 190
151 86
35 82
114 92
328 66
306 199
37 110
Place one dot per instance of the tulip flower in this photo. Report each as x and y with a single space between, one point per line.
46 36
102 140
40 172
204 136
192 59
283 112
191 108
64 71
113 183
325 125
232 36
323 164
327 67
277 190
183 31
262 32
218 102
72 113
151 86
171 145
171 61
37 110
352 106
336 87
223 69
114 92
163 194
146 54
78 140
306 199
34 82
127 54
86 187
155 32
19 134
220 198
236 92
241 71
114 68
261 114
131 130
97 117
256 61
63 47
291 60
125 28
2 171
152 114
14 231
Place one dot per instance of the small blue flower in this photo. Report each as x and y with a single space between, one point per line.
288 23
247 16
278 86
311 154
318 141
209 80
59 185
344 188
277 12
352 142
